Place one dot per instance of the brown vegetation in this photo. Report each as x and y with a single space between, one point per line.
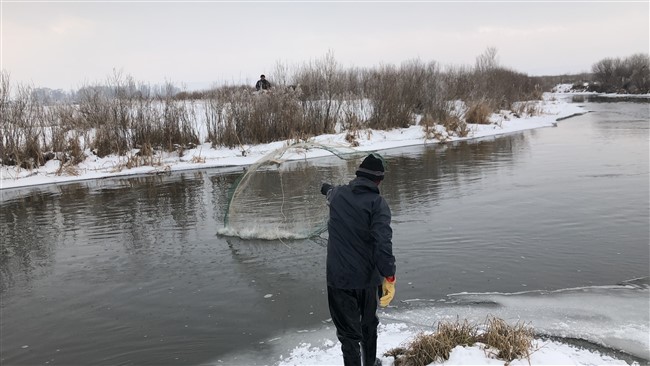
627 75
501 340
319 97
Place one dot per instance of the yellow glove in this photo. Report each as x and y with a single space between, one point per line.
388 291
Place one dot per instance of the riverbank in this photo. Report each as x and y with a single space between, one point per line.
554 107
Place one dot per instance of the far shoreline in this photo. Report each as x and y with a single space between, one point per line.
230 160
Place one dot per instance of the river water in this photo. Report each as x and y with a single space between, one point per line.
130 271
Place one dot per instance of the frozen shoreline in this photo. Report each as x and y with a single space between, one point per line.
554 108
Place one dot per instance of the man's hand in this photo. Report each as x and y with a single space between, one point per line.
388 291
325 188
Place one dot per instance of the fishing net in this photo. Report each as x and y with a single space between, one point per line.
279 196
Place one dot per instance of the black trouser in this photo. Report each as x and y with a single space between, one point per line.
354 313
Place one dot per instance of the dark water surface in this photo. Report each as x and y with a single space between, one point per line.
131 271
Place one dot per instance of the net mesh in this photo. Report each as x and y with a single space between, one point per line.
279 196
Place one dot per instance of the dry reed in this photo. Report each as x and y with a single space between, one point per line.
503 341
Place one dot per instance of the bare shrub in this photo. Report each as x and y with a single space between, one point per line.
125 115
354 112
58 129
459 82
281 74
163 123
491 84
74 150
390 109
214 114
220 111
435 95
322 86
177 125
627 75
277 116
107 111
242 117
5 127
148 128
22 125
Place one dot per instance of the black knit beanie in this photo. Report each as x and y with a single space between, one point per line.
372 168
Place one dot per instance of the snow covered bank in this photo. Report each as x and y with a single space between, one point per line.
620 321
204 156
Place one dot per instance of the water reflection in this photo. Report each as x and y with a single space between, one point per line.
613 99
445 170
28 237
131 215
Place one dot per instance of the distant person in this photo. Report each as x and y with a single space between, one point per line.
360 261
262 83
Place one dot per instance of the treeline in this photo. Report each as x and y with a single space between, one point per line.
622 75
314 98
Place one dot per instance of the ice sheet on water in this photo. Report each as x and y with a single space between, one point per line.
616 317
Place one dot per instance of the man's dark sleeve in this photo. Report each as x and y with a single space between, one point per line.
382 233
325 188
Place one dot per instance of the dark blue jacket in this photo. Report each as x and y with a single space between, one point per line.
262 84
360 247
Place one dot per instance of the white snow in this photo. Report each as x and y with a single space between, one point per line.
320 347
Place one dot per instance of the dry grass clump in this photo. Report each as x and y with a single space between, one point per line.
428 348
510 342
351 137
479 113
501 340
73 151
525 109
198 159
455 125
428 126
430 130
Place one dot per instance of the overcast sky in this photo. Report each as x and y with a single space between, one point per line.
69 44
